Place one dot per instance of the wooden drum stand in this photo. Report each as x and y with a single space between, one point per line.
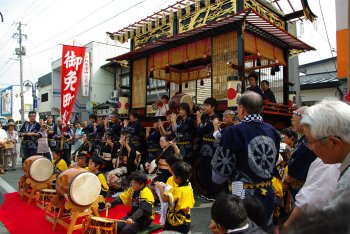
64 212
27 187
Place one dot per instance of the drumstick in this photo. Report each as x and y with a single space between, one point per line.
107 212
118 220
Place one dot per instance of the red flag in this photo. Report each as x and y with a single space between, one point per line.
72 66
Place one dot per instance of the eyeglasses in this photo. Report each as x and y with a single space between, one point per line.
309 143
297 113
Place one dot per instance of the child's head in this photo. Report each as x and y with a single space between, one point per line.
124 137
92 118
228 212
168 114
210 105
171 159
285 151
181 172
255 210
81 160
57 153
134 115
139 180
290 136
185 109
95 163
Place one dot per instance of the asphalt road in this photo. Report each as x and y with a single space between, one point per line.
200 214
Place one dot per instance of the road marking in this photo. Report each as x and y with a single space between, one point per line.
6 186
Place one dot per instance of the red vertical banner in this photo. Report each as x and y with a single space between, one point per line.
71 69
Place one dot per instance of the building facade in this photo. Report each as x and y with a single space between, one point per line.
319 80
11 102
96 84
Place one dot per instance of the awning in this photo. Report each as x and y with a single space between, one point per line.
255 23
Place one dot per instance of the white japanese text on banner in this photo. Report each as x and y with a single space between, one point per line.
72 66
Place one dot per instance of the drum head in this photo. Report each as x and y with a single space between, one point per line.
187 99
41 170
85 189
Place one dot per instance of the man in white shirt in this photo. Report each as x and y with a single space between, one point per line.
162 106
326 126
317 191
3 140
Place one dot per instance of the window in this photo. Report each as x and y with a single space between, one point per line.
44 97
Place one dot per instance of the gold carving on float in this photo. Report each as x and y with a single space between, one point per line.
207 15
154 35
265 13
294 52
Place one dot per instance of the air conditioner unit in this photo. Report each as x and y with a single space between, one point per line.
114 94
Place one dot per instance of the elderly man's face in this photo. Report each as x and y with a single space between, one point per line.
228 119
319 147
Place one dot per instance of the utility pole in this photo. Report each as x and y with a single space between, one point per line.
20 52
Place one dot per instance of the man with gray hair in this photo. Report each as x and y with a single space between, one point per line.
248 152
327 129
301 157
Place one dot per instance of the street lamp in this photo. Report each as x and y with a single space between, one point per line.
28 84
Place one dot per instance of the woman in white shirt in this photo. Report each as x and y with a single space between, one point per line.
78 137
10 155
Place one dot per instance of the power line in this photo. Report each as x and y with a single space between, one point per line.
32 10
325 27
106 20
9 28
6 64
51 47
72 25
42 11
4 37
2 74
26 10
104 43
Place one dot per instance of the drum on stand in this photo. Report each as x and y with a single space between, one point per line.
82 187
38 168
179 98
45 198
100 225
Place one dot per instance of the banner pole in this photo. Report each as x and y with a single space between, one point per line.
62 138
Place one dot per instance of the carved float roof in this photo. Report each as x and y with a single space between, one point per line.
279 7
254 23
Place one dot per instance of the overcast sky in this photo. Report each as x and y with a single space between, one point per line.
50 23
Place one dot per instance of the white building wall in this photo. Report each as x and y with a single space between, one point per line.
101 81
56 88
315 95
47 105
16 102
319 68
